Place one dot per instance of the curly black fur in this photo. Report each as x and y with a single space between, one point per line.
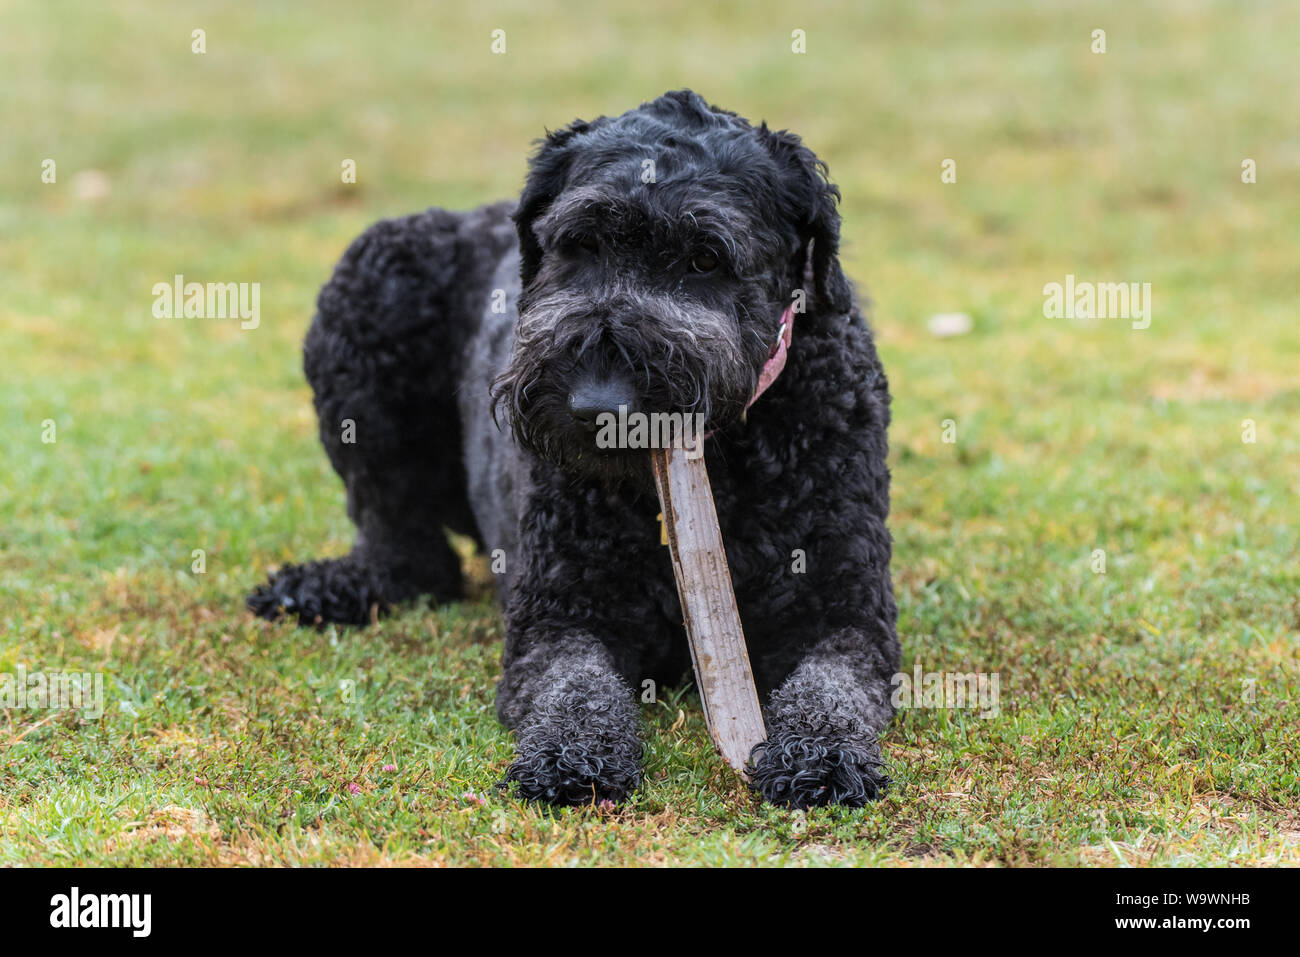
802 770
343 591
578 742
564 774
454 344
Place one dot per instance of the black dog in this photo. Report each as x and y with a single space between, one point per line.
661 261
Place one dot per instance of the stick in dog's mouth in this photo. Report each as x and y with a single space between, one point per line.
713 629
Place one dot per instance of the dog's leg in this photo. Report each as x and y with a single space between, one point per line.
575 721
383 358
389 424
585 627
393 560
823 725
825 639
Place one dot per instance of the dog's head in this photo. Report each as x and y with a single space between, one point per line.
660 250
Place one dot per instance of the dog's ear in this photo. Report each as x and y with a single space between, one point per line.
548 172
810 200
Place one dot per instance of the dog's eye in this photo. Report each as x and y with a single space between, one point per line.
704 262
586 244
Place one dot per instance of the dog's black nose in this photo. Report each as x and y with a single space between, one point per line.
590 399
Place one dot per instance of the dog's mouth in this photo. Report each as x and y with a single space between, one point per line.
598 405
610 443
616 442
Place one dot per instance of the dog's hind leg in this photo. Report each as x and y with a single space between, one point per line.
383 357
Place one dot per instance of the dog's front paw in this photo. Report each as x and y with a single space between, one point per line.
802 769
578 750
336 590
575 772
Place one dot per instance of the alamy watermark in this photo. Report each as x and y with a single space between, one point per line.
651 430
953 690
214 300
133 912
53 691
1098 300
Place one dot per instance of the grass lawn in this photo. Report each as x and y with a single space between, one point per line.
1149 714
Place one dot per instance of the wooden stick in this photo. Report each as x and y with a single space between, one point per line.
713 629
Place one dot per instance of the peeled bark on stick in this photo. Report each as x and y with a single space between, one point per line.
713 630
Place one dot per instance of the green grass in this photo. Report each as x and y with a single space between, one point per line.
1127 734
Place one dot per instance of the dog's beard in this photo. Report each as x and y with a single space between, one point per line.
685 359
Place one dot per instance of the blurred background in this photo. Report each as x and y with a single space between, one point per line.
1071 435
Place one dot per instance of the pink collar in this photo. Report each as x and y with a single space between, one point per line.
776 360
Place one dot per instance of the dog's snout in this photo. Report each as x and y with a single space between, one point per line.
590 399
